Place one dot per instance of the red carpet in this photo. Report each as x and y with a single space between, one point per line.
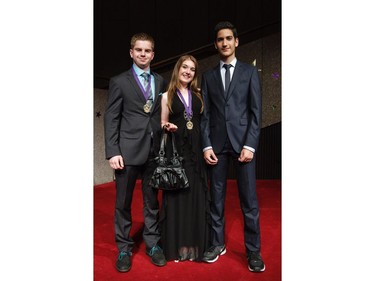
231 266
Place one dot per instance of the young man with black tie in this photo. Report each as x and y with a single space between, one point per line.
230 125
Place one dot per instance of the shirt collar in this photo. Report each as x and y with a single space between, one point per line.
139 71
233 63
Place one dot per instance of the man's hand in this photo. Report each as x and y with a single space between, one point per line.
246 156
116 162
210 157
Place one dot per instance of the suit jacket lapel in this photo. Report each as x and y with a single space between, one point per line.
135 86
157 82
234 81
218 80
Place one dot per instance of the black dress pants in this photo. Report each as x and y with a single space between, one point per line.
125 183
246 182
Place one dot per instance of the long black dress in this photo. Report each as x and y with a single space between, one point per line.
185 216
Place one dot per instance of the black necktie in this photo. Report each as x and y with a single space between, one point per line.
227 76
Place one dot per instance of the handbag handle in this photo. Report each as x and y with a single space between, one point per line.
164 142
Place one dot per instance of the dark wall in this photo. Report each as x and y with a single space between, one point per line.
269 153
268 161
177 27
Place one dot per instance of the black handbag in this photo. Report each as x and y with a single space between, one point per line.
169 173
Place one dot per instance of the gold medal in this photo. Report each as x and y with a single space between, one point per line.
146 108
189 125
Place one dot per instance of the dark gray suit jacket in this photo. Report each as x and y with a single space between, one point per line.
237 115
128 129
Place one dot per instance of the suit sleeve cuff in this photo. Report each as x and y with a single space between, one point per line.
249 148
207 148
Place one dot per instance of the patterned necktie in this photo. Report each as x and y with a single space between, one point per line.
227 76
146 77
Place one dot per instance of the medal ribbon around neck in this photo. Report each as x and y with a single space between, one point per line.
145 92
188 108
188 113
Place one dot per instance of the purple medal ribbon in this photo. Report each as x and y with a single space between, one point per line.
145 92
188 109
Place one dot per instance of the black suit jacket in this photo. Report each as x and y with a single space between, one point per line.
236 115
128 129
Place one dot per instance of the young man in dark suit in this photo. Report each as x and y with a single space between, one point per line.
132 123
230 127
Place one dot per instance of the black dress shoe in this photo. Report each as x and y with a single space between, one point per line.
213 253
123 263
157 256
255 262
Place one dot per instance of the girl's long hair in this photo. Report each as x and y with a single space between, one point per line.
174 84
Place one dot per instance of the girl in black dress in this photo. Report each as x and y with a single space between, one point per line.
185 214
